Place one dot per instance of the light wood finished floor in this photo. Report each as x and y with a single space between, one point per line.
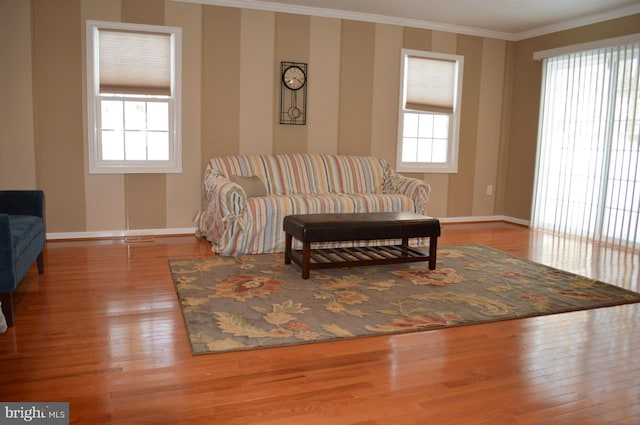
102 330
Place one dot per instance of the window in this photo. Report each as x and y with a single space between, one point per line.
588 159
429 119
133 98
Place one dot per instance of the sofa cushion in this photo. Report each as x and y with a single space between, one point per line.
281 174
251 185
358 174
262 224
291 174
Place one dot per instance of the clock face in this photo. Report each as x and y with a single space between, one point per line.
293 77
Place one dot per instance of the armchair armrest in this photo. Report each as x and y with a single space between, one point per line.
8 275
22 202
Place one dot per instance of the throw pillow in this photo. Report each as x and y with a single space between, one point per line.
252 186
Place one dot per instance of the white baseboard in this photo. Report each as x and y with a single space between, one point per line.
121 233
192 230
479 219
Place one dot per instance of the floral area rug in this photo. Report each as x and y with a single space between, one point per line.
257 301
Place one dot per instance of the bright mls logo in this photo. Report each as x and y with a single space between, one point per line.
36 413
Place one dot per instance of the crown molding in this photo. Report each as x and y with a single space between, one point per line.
416 23
354 16
575 23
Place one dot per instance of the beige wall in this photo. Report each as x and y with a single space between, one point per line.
230 71
58 99
17 139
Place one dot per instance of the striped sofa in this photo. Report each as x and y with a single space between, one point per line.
236 223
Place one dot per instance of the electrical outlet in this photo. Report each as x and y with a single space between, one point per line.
489 190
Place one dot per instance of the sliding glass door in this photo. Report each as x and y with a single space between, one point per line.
587 178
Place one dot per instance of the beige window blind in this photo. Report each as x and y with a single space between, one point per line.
430 85
135 62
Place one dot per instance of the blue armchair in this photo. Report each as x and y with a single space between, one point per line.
22 241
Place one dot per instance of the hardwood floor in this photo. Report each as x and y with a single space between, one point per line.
102 330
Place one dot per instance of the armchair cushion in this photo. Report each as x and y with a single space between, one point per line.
26 228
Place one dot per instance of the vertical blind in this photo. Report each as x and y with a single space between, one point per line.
587 180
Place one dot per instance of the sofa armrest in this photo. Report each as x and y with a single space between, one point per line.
229 196
22 202
415 189
223 202
8 275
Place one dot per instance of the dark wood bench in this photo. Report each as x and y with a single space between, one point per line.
313 228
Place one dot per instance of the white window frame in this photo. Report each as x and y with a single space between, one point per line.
96 164
451 164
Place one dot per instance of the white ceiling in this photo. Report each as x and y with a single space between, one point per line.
505 19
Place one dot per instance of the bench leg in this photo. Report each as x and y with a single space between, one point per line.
405 245
287 248
433 246
306 259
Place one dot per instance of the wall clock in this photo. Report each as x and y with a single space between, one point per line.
293 93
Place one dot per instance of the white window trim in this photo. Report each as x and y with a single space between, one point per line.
451 166
98 166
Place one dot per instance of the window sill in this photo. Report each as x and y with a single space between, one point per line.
404 167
